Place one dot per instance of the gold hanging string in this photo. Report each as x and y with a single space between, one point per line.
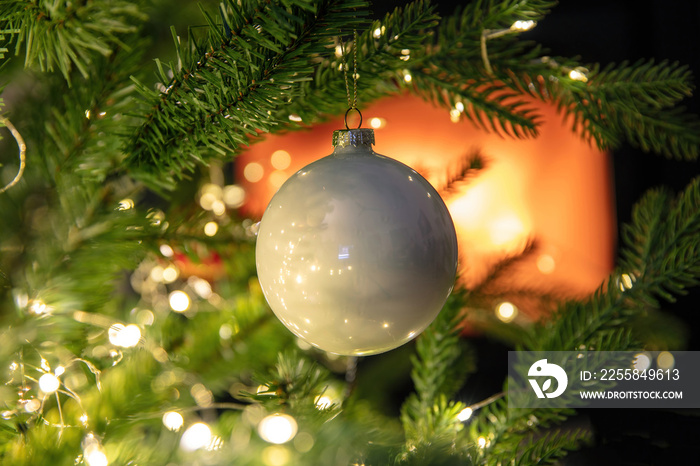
352 101
22 153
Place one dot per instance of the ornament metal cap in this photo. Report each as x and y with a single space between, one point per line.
353 137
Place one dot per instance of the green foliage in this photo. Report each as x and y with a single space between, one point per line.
81 233
661 242
450 71
458 175
637 103
505 431
293 380
379 63
65 35
442 360
440 366
226 85
660 258
547 449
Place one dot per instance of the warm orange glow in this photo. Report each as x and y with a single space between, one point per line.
554 189
546 264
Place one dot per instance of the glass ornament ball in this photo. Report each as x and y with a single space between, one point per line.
356 253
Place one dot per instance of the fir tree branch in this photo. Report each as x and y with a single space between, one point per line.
547 449
73 133
471 162
657 85
440 367
64 35
661 258
488 105
86 124
620 102
505 431
449 71
380 63
226 86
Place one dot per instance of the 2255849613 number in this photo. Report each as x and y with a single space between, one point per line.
634 374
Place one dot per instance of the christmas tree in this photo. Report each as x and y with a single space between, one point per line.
134 330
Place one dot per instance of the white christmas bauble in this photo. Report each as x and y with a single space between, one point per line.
356 253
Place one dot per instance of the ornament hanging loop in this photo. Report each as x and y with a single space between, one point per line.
346 117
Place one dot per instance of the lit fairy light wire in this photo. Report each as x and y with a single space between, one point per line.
323 402
486 34
38 307
22 153
641 362
466 413
48 384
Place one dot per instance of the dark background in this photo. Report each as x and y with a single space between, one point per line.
604 32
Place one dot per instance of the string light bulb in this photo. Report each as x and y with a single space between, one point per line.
124 336
626 281
323 402
49 383
126 204
38 307
277 428
197 436
506 311
465 414
254 172
579 74
172 420
280 159
522 26
179 301
211 228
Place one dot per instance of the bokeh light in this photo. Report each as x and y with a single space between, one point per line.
173 420
124 336
196 436
179 301
506 311
277 428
